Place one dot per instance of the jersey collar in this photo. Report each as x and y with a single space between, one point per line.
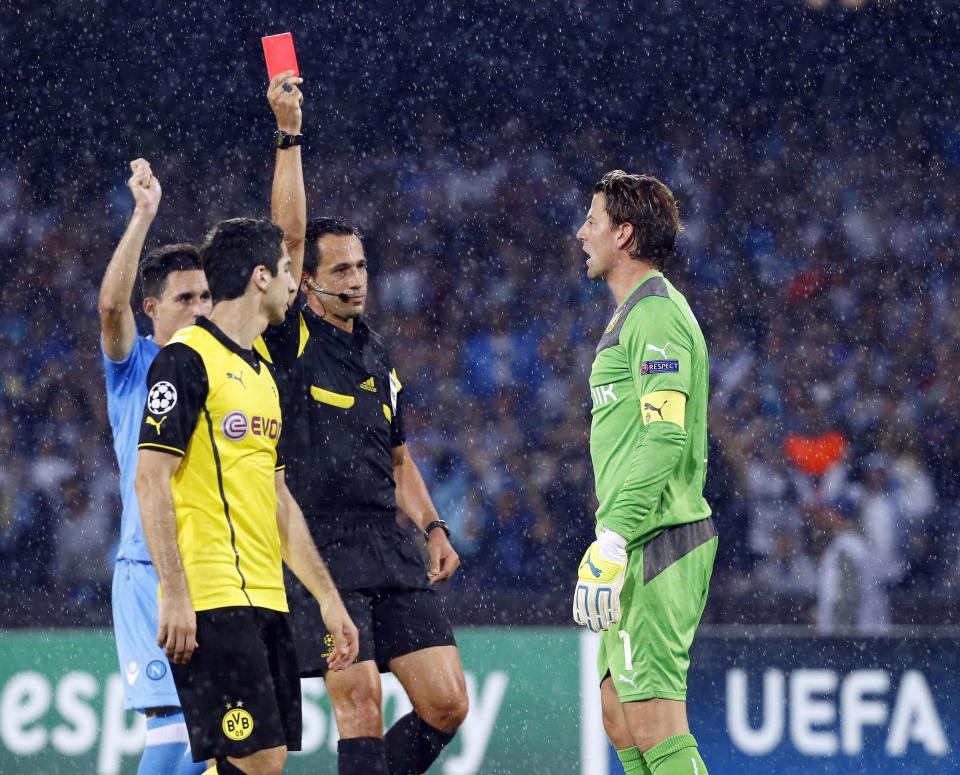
360 334
211 328
644 281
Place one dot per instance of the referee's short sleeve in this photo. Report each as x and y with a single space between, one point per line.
176 390
398 436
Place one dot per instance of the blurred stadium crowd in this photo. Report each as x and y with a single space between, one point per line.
819 252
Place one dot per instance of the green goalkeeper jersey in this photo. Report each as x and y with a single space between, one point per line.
649 475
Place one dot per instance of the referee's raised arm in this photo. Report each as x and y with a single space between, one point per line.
288 199
117 324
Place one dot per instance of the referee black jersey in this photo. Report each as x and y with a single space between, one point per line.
343 415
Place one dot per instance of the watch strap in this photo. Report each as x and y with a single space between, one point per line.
283 140
437 523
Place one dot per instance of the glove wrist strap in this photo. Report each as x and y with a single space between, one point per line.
607 536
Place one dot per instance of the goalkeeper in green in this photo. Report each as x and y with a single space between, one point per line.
643 583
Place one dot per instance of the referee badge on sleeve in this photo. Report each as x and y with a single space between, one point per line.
395 388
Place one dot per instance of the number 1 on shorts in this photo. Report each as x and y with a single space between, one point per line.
627 658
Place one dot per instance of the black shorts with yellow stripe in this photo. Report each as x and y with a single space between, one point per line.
240 691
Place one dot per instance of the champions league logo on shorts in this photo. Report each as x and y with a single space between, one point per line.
162 398
328 646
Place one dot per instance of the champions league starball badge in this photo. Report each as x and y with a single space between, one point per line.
162 398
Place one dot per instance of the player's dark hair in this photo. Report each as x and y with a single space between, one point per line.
647 205
320 227
233 249
160 262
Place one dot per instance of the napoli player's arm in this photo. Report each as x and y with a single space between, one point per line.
117 324
659 349
177 388
301 556
288 199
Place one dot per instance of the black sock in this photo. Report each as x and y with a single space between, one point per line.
365 755
225 767
413 745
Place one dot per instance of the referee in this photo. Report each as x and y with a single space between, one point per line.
349 467
217 515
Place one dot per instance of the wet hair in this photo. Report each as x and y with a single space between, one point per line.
647 205
233 249
160 262
320 227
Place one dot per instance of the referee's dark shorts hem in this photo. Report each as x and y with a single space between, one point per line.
381 573
391 624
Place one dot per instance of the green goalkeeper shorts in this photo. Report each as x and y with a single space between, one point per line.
647 653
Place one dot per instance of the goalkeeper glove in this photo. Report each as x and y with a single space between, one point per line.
596 602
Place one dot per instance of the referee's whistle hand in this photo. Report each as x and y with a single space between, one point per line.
177 631
346 638
444 559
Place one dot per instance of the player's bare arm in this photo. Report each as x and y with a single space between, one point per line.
301 556
117 324
288 199
177 630
414 500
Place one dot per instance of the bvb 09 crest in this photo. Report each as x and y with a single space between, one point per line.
237 724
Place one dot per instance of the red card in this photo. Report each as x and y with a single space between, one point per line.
279 53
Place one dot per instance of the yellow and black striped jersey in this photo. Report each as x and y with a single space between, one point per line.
217 406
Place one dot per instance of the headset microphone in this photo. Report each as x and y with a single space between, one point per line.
315 289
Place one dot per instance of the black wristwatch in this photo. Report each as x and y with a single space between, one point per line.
437 523
283 140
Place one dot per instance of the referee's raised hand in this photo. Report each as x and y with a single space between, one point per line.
285 99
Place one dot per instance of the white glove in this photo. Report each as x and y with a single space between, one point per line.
596 601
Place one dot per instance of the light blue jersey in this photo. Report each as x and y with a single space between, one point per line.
148 681
126 397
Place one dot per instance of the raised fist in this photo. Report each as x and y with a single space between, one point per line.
144 187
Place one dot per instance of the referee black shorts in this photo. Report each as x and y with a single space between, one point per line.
381 573
240 691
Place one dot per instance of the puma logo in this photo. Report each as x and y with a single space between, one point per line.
657 409
231 375
155 424
593 568
629 680
661 350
